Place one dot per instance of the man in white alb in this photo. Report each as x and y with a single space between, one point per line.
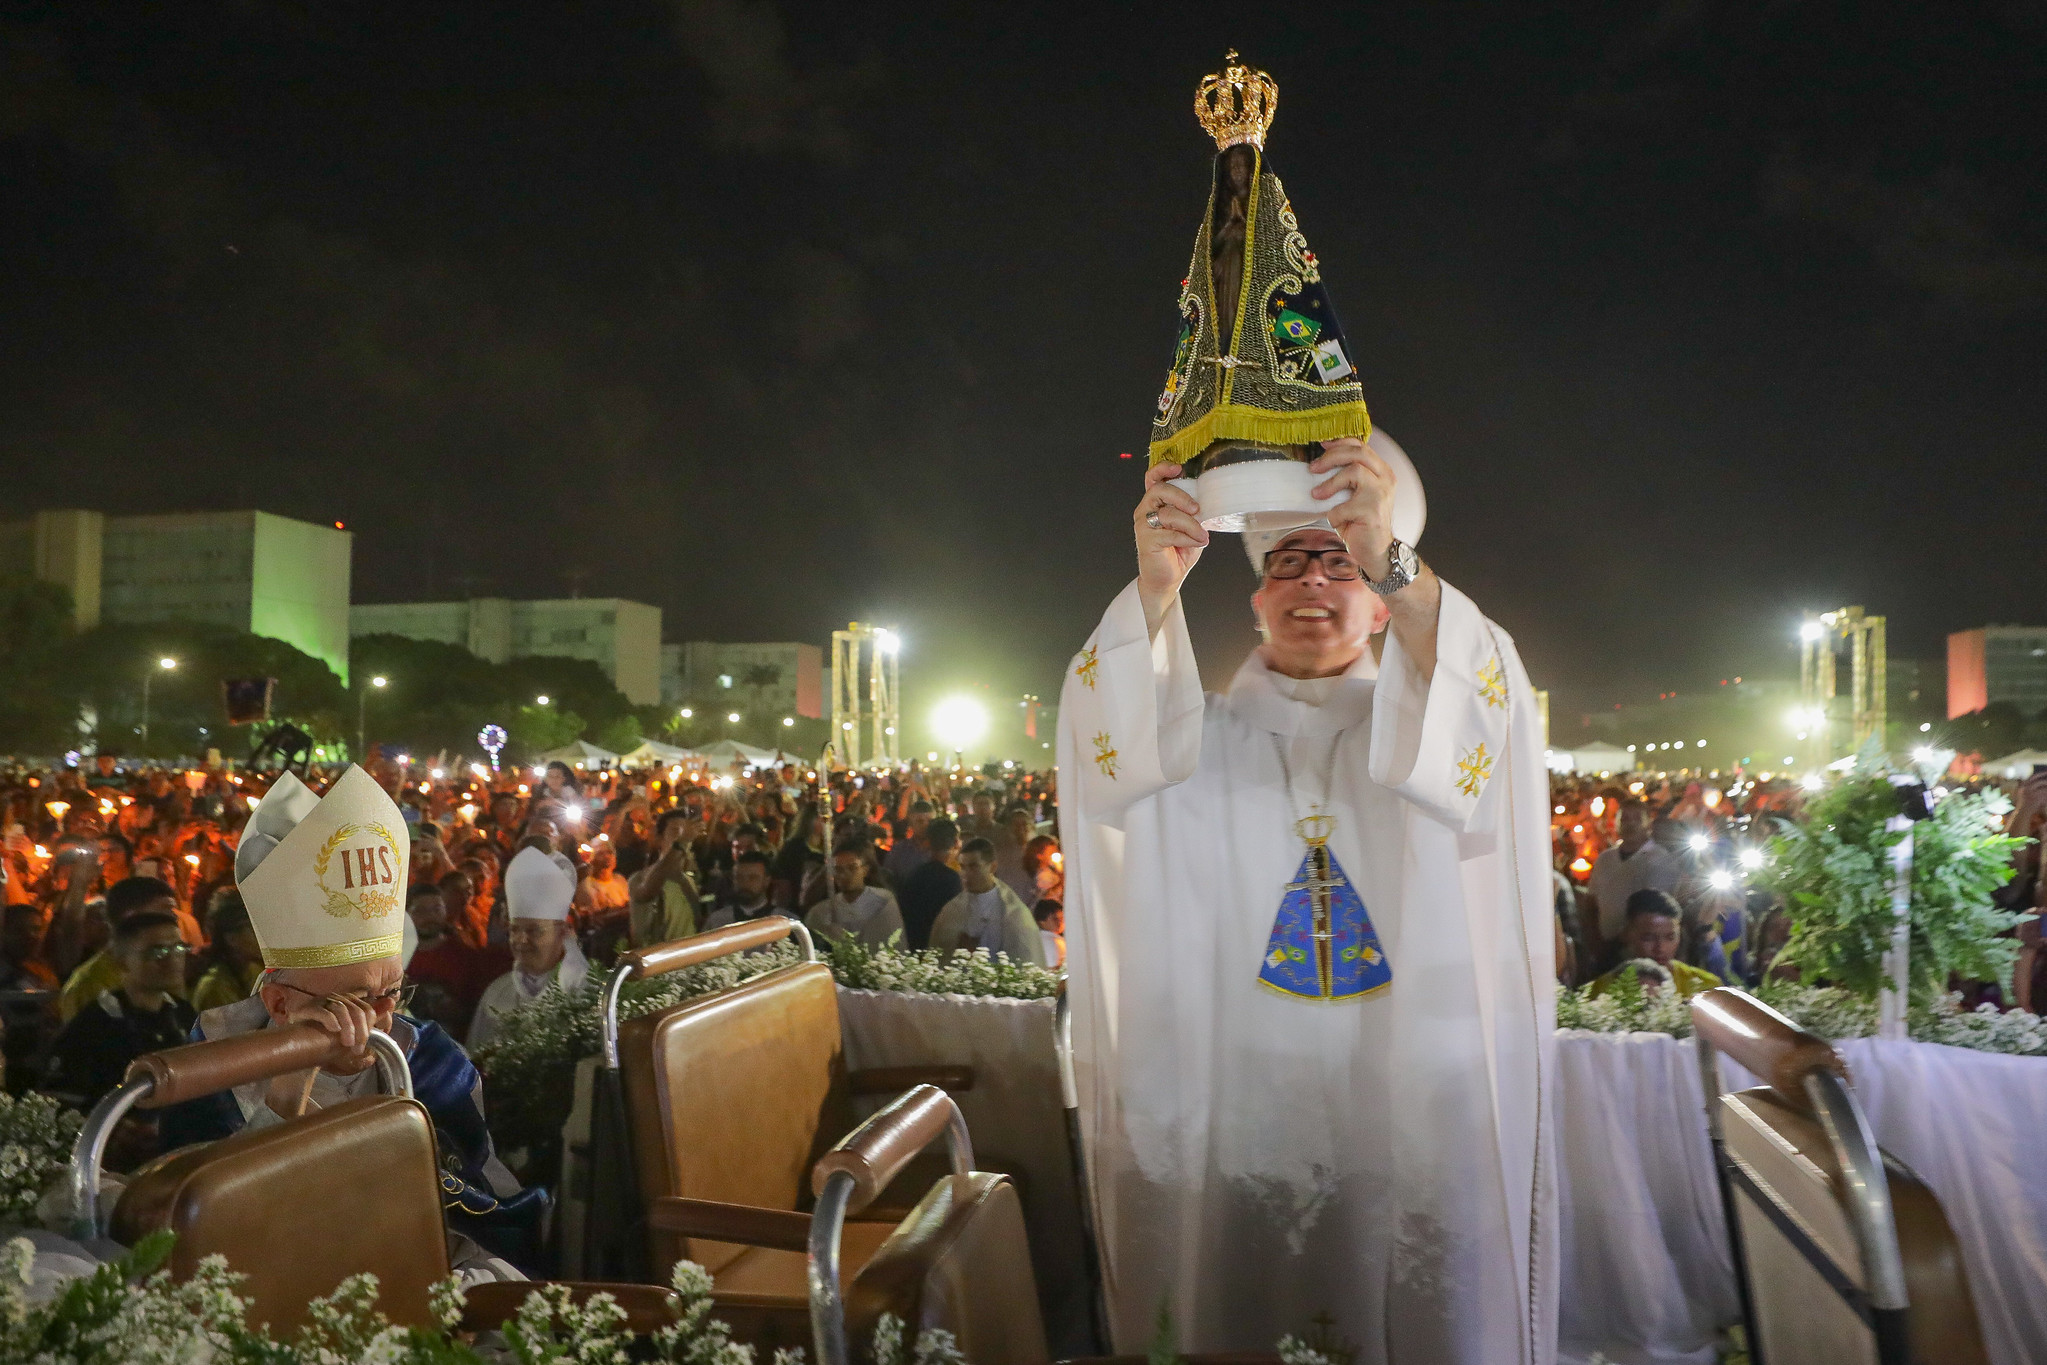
986 913
1309 951
855 909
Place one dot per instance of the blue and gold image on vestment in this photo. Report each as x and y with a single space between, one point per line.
1348 964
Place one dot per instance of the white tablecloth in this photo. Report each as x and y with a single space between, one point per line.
1646 1277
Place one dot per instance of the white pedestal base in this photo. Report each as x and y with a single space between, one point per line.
1258 495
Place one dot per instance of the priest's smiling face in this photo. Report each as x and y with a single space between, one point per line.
1316 626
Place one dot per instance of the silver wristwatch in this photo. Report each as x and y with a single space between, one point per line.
1403 566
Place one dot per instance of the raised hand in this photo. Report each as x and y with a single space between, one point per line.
1170 539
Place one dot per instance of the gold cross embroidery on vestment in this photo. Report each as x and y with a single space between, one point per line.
1105 755
1492 684
1088 664
1473 769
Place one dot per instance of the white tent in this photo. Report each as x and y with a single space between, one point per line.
1600 758
652 753
578 753
2014 766
726 752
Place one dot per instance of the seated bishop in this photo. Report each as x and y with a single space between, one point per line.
539 889
324 878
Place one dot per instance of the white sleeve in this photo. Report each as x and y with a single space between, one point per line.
1130 709
1436 741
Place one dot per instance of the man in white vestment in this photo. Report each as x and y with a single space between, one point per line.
986 913
854 909
1310 953
538 894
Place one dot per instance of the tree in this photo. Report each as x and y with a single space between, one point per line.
37 715
536 729
437 696
620 735
104 667
440 695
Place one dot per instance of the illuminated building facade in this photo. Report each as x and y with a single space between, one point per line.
766 678
249 570
623 638
1997 664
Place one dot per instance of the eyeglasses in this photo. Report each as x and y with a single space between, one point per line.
163 952
1337 564
397 999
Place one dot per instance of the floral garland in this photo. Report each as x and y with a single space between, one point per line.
130 1311
36 1135
931 972
1830 1011
529 1068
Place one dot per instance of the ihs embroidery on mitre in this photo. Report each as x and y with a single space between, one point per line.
1086 671
1492 683
1473 770
1105 755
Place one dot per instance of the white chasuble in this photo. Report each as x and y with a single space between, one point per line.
1260 1159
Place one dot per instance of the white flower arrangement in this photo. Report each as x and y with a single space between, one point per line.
130 1312
36 1135
1625 1008
1831 1012
932 972
529 1067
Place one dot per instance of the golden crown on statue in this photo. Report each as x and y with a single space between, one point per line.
1237 104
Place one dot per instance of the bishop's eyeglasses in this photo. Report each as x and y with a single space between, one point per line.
1338 565
398 999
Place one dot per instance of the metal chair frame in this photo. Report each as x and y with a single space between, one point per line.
630 971
1884 1305
1090 1244
89 1151
612 1242
828 1221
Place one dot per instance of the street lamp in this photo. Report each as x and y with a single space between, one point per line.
959 722
542 699
166 663
362 703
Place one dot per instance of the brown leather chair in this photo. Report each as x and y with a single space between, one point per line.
728 1100
299 1206
959 1261
1841 1254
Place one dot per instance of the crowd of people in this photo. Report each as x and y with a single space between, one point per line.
1655 875
123 925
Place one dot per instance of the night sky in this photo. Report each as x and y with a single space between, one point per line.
1693 315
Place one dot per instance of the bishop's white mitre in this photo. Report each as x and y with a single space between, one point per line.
324 876
538 887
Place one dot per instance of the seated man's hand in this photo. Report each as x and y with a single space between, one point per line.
349 1018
